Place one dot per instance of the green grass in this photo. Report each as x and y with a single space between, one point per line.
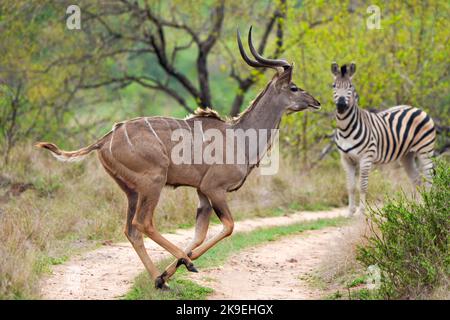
278 211
182 288
356 294
353 289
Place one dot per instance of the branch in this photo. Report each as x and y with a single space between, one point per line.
219 13
202 58
144 82
170 69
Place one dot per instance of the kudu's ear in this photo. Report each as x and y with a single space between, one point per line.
285 77
334 68
352 69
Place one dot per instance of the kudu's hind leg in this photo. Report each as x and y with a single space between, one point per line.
204 211
134 236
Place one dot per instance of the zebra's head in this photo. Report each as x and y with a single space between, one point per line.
344 92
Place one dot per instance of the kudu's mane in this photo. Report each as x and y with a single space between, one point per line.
205 113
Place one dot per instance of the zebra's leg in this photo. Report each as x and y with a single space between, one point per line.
426 167
411 168
350 169
365 166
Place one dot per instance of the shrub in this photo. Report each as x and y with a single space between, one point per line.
410 240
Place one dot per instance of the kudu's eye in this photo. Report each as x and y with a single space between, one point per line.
294 88
334 85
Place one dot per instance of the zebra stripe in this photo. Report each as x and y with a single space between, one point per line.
365 138
389 135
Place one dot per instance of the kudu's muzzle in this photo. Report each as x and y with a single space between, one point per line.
313 102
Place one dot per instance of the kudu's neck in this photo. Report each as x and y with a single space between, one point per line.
264 114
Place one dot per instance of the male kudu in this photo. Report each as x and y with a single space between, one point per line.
136 154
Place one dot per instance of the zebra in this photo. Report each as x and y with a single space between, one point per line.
367 138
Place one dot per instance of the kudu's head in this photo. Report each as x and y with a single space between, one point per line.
344 92
289 96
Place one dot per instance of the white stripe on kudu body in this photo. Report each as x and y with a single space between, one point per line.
366 138
152 130
126 134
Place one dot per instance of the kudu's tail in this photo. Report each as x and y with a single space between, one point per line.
69 156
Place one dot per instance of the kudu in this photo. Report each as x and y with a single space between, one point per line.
137 155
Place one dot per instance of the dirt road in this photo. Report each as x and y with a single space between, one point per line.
108 272
278 270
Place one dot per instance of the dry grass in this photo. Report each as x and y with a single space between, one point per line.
340 272
340 268
73 207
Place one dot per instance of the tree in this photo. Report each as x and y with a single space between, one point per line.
31 102
129 30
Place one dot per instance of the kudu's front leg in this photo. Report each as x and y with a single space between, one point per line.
219 204
204 211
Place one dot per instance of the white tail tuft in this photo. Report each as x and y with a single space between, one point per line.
64 158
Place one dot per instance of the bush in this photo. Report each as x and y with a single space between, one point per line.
410 241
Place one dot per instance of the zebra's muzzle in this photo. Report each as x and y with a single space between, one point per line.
341 105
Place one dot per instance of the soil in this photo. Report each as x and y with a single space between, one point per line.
278 270
109 271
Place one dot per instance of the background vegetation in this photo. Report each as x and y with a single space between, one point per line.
134 58
410 241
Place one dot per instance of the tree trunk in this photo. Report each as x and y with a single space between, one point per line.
203 80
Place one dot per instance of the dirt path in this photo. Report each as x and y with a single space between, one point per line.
108 272
278 270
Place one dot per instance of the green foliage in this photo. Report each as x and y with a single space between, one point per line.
411 240
404 62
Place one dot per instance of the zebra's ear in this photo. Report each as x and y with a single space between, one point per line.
334 68
352 69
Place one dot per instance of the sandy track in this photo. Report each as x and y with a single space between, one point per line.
277 270
108 272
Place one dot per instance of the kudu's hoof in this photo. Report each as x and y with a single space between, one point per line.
160 283
189 266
